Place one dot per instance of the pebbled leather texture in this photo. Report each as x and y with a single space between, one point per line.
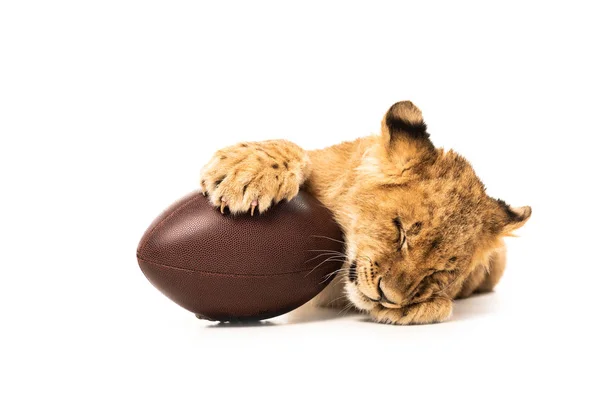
225 267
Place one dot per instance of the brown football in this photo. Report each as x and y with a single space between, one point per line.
242 267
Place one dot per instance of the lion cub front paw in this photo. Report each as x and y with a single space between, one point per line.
252 176
429 312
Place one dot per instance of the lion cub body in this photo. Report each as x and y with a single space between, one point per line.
420 230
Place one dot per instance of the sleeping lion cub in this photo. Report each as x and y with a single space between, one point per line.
420 229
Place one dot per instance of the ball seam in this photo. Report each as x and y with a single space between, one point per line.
223 274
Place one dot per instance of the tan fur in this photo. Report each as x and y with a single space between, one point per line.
419 227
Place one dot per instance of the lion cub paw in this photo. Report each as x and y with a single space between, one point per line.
253 176
429 312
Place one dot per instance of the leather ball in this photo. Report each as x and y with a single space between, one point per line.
241 267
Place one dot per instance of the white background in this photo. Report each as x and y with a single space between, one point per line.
109 109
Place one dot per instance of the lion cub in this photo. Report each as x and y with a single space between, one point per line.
420 229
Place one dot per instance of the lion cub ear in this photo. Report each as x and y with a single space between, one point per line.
404 132
512 218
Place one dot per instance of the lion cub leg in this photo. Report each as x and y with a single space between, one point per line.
495 272
482 279
252 176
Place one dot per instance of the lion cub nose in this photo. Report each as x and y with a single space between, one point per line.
384 299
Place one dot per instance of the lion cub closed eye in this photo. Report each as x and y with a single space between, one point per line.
420 229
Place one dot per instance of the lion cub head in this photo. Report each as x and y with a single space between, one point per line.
420 220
